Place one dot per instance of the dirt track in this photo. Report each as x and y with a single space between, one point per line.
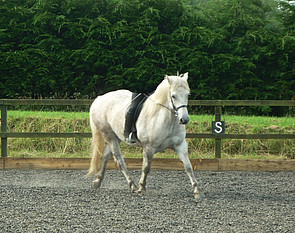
63 201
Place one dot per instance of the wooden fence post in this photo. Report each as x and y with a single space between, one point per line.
217 140
4 130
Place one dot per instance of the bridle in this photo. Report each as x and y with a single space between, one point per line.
175 109
175 112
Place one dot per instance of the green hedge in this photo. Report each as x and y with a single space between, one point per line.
232 49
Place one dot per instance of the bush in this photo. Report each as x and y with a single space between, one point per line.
79 49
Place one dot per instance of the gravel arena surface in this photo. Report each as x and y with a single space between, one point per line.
63 201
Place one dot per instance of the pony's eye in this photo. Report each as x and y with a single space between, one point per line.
173 96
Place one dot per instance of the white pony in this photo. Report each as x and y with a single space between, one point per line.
160 125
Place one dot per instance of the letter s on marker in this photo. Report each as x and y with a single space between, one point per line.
218 126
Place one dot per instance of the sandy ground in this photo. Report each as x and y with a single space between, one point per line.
63 201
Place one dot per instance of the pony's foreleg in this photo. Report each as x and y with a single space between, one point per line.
99 175
181 150
121 164
146 167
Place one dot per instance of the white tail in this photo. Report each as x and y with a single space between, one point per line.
97 149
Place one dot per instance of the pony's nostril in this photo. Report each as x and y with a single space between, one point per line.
184 121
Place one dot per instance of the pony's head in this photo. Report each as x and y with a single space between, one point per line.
173 92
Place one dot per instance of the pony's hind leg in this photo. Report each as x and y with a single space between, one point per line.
121 164
100 156
99 175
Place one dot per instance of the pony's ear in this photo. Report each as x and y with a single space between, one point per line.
169 79
185 76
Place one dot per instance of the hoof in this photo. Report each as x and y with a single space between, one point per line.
96 184
140 191
199 196
133 187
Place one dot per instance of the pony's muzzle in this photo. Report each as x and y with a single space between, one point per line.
184 120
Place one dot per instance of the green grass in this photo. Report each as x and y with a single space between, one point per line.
257 121
48 115
38 121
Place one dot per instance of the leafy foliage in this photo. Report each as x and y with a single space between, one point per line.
73 49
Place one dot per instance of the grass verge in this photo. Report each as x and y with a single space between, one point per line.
33 121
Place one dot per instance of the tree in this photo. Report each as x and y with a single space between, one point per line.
73 49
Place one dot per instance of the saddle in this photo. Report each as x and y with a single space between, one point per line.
131 116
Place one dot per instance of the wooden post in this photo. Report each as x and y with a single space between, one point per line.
4 130
217 140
